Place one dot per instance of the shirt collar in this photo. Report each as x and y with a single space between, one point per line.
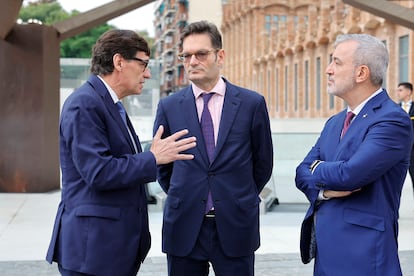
361 105
219 88
110 90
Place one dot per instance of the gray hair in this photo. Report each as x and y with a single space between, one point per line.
370 52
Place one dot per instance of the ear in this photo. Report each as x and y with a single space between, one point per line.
118 60
220 57
362 73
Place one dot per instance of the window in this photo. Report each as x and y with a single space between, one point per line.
277 88
271 22
331 97
286 89
269 86
384 81
260 82
318 83
267 23
306 85
295 88
403 59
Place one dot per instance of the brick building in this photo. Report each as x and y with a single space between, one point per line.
282 48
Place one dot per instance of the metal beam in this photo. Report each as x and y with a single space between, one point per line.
393 12
95 17
8 13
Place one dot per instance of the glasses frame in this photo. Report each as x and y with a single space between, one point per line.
186 57
143 62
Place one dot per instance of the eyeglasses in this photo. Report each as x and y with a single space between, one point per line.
201 55
143 62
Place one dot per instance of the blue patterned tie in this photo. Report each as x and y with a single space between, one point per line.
122 112
208 134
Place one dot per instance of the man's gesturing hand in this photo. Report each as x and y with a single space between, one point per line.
169 149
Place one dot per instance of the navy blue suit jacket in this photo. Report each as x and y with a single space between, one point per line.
357 234
101 226
242 165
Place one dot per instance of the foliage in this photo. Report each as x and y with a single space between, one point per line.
80 46
47 12
150 40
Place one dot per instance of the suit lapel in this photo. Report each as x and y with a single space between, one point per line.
230 107
134 135
100 88
360 121
411 111
190 114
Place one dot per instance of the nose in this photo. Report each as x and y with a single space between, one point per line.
147 73
193 59
329 70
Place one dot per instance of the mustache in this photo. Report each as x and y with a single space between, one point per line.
195 69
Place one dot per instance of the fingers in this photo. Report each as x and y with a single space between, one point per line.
171 148
184 157
174 137
185 141
178 134
159 132
185 145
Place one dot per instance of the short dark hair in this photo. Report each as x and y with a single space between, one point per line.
203 27
124 42
407 85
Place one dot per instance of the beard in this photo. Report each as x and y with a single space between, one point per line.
339 89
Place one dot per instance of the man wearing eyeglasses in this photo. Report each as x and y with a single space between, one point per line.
101 226
211 212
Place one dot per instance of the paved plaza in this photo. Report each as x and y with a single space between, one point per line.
26 222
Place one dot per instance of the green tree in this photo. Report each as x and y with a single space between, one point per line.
48 12
80 46
149 39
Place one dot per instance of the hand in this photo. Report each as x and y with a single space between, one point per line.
332 194
168 149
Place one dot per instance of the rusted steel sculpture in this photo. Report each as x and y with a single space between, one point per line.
29 87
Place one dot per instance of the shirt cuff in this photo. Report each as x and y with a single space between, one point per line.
321 197
314 165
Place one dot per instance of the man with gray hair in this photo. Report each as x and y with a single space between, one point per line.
354 174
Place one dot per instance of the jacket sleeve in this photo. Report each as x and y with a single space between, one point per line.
262 146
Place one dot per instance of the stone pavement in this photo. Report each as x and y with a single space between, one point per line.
266 265
26 222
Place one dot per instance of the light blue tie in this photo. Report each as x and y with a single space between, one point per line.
122 112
